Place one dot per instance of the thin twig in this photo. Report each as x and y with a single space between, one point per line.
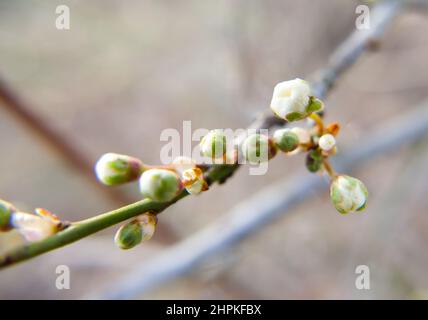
341 60
251 215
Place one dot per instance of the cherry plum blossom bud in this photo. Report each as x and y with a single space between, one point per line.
214 144
113 169
291 99
160 185
258 148
303 134
286 140
193 181
327 142
33 227
348 194
133 233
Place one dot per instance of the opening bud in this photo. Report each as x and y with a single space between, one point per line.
182 164
286 140
33 227
348 194
213 145
291 100
113 169
258 148
160 185
133 233
6 211
193 181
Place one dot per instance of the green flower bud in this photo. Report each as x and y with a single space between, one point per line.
314 160
213 145
160 185
113 169
133 233
286 140
348 194
128 235
258 148
6 210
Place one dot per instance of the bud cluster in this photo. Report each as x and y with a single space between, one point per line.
291 101
33 227
159 184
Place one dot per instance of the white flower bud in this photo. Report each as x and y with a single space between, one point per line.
327 142
32 227
303 134
348 194
182 164
214 144
160 185
290 99
113 169
193 181
258 148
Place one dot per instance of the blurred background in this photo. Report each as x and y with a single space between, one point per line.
126 70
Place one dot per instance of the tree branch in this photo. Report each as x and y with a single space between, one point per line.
340 61
251 215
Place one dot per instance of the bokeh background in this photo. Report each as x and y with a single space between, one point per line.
126 70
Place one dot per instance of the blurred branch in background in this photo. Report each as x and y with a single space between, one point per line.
349 51
252 214
66 149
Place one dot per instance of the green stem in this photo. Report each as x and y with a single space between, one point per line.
84 228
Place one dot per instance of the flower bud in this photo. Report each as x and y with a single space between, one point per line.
32 227
314 160
6 211
213 145
290 99
160 185
193 181
131 234
303 135
286 140
182 164
258 148
327 142
113 169
348 194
